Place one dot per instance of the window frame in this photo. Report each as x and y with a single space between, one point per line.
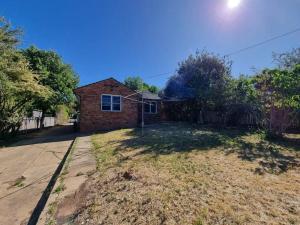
111 103
149 103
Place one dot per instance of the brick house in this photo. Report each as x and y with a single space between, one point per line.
109 104
152 108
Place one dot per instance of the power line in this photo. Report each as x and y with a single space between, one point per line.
263 42
242 49
160 74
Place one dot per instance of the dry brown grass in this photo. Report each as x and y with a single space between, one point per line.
179 174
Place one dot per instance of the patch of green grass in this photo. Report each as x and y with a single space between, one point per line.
199 221
52 208
51 222
105 154
65 172
19 182
50 213
61 187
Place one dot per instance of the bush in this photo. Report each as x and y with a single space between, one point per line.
62 114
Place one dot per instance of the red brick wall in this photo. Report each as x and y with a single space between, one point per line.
92 118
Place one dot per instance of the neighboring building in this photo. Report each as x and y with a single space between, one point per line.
109 104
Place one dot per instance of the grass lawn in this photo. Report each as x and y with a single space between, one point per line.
182 174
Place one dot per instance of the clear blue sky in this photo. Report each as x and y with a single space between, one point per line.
148 37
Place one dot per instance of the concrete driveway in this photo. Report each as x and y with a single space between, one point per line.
26 169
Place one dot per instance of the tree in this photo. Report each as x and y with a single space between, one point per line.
203 77
136 83
62 114
243 106
287 60
153 89
54 74
18 85
279 90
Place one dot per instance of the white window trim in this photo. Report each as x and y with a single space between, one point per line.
111 103
149 103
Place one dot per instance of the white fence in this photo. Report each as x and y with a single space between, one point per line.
33 123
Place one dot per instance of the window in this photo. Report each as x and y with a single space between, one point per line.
106 102
116 103
150 107
111 103
147 108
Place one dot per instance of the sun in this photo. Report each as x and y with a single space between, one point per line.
231 4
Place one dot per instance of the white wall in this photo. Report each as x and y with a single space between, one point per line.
33 123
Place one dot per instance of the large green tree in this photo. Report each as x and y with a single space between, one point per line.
18 85
279 91
54 74
203 77
242 103
136 83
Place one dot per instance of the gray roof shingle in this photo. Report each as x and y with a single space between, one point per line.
149 95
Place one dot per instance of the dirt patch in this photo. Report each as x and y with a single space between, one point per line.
72 204
121 199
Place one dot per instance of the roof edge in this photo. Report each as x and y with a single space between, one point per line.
110 78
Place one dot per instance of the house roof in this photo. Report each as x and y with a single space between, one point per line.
145 94
110 78
150 95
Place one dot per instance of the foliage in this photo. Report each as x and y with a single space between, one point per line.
279 91
18 85
151 88
243 106
62 114
54 74
9 37
287 60
242 90
270 99
136 83
204 76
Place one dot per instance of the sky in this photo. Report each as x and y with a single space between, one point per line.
120 38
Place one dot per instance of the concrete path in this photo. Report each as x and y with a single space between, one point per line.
25 171
80 166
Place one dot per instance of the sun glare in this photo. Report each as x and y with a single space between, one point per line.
231 4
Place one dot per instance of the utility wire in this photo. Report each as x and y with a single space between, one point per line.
160 74
242 49
264 42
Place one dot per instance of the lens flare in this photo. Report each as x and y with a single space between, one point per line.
231 4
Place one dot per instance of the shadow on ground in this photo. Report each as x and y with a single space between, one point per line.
288 142
171 138
167 139
47 135
270 155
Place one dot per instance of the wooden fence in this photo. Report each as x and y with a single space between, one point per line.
235 115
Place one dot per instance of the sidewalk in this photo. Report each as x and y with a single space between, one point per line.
26 167
65 196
